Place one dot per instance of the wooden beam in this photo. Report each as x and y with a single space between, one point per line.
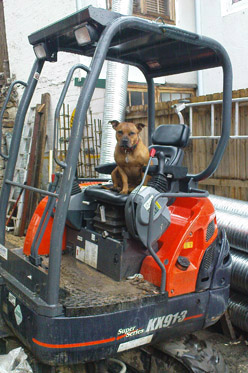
226 183
37 119
40 150
36 157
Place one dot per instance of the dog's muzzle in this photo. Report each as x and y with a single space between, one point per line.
125 143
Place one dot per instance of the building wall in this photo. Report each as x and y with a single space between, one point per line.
27 19
185 19
228 24
228 27
28 16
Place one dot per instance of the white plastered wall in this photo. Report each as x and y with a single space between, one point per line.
231 30
23 18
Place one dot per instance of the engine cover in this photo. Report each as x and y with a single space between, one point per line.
137 212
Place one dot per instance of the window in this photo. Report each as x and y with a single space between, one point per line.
137 93
135 98
153 9
232 6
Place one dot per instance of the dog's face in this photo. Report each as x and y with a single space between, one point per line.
127 133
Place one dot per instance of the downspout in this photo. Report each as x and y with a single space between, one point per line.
115 93
78 5
198 30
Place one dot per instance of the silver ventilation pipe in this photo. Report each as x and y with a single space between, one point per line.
198 29
232 216
230 205
236 229
115 93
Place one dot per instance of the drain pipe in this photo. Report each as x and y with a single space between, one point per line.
115 93
198 30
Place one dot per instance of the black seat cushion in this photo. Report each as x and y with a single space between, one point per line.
171 135
107 196
105 168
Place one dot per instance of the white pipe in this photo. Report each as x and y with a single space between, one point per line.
77 5
198 29
115 93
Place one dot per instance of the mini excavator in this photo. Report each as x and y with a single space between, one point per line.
103 275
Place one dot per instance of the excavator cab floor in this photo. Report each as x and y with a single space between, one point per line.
87 291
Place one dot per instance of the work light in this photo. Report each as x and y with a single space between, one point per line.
41 51
85 35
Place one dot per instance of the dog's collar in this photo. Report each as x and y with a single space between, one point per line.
127 150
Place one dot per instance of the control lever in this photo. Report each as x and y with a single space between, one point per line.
161 162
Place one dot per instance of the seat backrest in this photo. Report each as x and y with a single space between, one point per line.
171 139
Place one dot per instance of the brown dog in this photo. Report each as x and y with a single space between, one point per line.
130 155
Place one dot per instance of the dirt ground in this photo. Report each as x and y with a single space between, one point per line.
235 352
14 241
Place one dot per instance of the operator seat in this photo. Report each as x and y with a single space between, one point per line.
171 139
167 138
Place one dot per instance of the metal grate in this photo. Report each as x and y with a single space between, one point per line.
89 156
210 230
208 257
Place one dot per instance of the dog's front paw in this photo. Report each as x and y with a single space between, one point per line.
124 191
115 188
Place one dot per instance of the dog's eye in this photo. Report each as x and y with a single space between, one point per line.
120 132
131 133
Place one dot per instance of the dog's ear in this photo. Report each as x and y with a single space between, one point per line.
114 123
140 126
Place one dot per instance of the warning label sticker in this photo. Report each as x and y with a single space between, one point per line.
88 254
18 315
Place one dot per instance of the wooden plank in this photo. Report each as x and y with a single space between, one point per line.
225 182
3 41
38 113
39 156
227 327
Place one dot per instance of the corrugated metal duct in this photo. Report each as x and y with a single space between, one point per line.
236 229
238 311
239 276
230 205
115 93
